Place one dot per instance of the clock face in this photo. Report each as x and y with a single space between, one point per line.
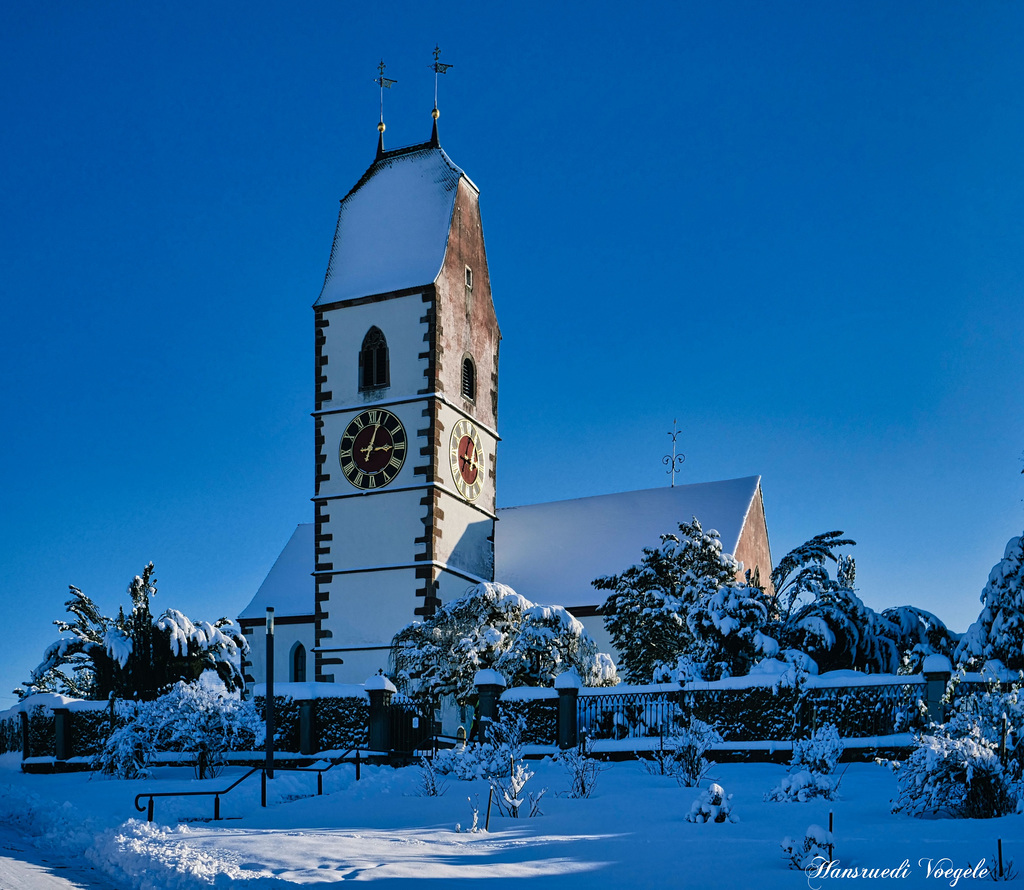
467 460
372 449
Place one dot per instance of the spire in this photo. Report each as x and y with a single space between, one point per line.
439 67
384 83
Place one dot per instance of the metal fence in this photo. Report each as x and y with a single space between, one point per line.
628 715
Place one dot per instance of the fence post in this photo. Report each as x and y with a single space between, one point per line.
308 743
568 686
937 672
489 684
380 689
61 733
24 735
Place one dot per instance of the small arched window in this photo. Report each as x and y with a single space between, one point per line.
468 379
298 665
373 361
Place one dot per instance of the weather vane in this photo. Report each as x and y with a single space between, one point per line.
673 461
438 67
385 83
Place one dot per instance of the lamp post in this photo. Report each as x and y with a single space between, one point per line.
270 693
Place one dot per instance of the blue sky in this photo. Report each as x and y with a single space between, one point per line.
795 227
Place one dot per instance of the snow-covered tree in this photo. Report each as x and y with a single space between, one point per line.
727 626
492 626
823 616
135 655
918 635
998 634
839 632
646 613
801 573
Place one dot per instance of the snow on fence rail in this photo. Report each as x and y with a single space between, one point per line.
755 712
756 709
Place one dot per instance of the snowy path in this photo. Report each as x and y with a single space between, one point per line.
23 867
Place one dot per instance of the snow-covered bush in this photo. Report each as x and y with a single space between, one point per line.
200 718
712 805
816 848
811 767
802 785
472 761
491 758
820 753
998 715
128 752
954 777
681 755
582 768
493 627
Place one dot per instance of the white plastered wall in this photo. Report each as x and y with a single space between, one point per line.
399 320
285 638
369 608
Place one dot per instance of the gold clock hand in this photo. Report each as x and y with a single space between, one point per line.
369 448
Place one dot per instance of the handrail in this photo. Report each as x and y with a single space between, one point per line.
321 770
216 794
148 809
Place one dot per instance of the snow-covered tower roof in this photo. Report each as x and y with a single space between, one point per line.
393 226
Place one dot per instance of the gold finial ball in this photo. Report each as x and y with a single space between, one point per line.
435 114
380 127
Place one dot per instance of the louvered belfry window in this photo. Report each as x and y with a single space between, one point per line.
468 379
373 361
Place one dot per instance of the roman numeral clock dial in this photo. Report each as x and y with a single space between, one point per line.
466 454
372 449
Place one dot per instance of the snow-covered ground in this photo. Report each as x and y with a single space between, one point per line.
79 830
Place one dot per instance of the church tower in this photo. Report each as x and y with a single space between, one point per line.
406 408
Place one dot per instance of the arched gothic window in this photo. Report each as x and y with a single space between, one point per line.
468 379
373 361
298 665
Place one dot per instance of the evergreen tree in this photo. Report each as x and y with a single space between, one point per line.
727 626
493 627
134 656
918 635
801 573
837 630
998 633
647 611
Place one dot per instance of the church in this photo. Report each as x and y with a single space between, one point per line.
405 399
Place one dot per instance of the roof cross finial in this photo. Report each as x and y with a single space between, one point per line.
672 461
384 83
438 67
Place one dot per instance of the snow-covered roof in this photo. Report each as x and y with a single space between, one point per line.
393 226
550 553
289 586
